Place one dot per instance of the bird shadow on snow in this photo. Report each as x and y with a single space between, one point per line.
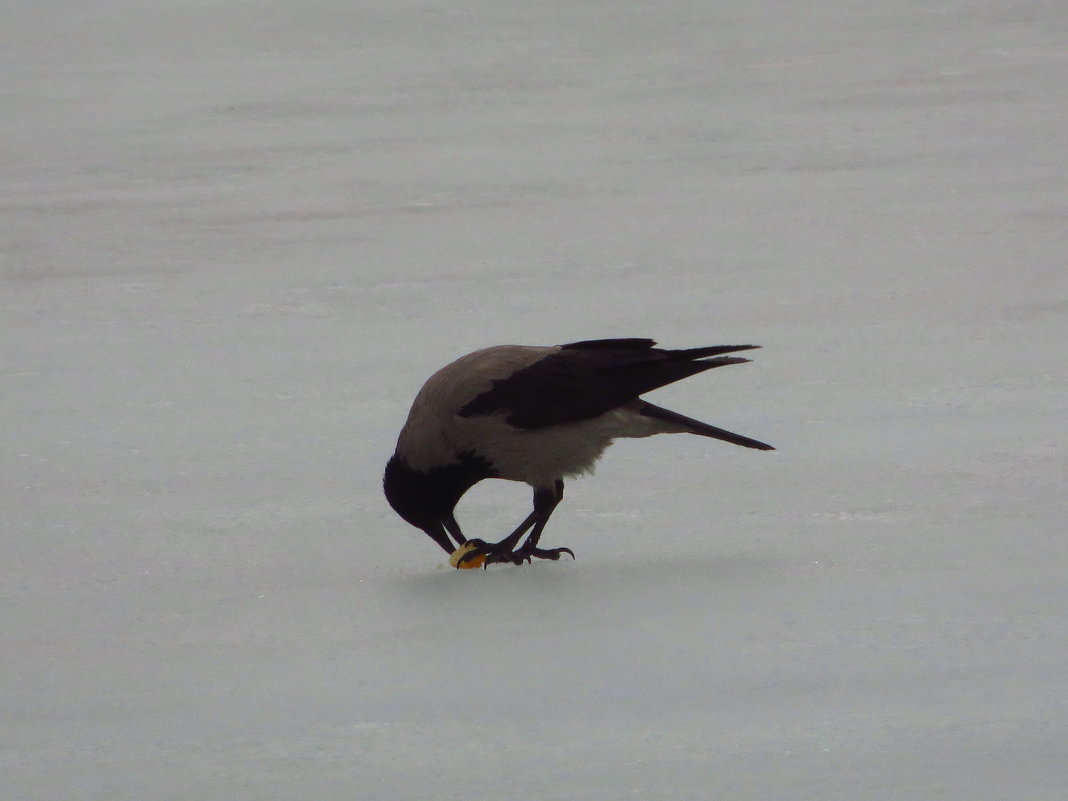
582 593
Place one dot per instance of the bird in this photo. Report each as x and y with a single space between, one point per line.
538 415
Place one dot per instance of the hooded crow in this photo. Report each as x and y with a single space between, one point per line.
536 415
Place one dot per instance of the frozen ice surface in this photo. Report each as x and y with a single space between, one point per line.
236 237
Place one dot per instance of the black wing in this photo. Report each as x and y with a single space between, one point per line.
586 379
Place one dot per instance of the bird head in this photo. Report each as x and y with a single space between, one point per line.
426 498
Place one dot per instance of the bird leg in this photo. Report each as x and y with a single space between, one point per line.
545 501
502 551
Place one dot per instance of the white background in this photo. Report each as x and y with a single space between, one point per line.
237 236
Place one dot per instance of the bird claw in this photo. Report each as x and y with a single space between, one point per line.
545 553
495 554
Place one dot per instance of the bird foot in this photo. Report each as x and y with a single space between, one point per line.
495 553
489 553
545 553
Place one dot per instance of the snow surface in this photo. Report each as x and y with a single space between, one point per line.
237 236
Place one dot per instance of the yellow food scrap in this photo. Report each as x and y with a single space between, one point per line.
474 561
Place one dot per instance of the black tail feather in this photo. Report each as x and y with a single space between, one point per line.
713 350
697 427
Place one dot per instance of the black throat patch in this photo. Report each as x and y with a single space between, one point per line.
420 497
